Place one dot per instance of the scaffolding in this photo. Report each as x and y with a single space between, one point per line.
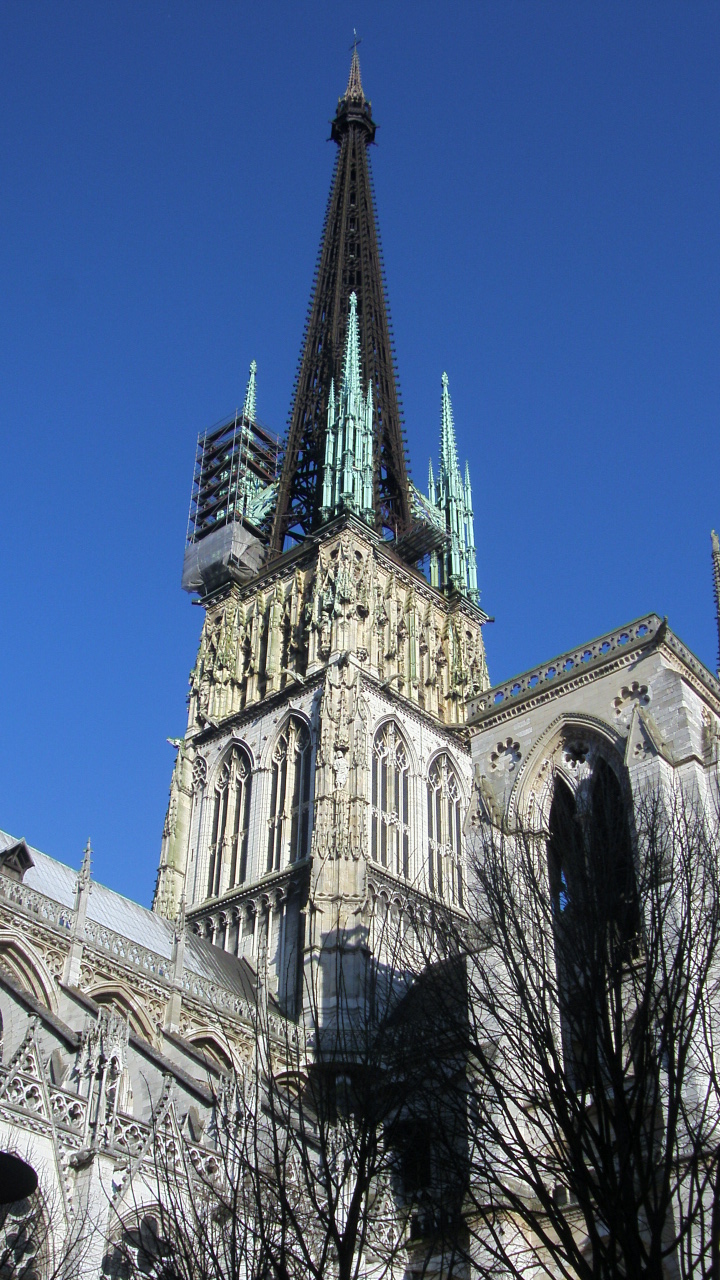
233 494
235 462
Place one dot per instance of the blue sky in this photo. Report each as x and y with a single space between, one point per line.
548 190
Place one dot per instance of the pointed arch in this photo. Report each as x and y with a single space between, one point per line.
229 821
118 996
217 1052
445 822
390 799
289 819
23 964
532 791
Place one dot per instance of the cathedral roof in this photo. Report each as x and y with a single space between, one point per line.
136 923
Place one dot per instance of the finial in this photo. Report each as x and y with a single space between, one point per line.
354 86
250 394
351 364
84 875
448 447
180 917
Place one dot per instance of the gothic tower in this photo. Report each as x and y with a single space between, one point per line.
324 771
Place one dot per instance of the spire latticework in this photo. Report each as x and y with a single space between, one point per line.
349 262
454 569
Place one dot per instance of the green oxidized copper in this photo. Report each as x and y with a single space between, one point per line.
453 569
348 464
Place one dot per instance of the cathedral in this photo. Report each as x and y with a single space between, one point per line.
343 739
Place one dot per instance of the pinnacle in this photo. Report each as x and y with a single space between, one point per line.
354 89
85 869
251 394
351 367
448 447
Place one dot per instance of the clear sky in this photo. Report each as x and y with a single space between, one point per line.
548 192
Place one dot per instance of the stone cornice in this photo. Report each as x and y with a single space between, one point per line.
568 671
303 555
583 665
268 886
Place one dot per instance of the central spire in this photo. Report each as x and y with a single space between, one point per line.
349 262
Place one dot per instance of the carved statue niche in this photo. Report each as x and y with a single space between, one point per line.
297 638
380 622
345 579
276 632
201 677
342 743
391 611
323 605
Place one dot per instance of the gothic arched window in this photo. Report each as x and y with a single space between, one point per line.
594 911
290 796
390 844
445 875
230 823
592 877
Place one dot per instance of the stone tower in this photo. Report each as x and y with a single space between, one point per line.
325 770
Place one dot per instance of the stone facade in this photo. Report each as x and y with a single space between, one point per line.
637 696
333 641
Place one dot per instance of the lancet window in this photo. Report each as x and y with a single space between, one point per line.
290 796
445 873
227 865
592 877
594 909
390 842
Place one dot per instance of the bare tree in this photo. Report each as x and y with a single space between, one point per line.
313 1162
587 1016
31 1248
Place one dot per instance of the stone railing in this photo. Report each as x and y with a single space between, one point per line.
46 909
567 667
127 951
208 993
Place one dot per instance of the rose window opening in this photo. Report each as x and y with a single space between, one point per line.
390 836
506 756
445 871
290 796
230 824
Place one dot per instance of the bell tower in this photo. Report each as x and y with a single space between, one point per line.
324 770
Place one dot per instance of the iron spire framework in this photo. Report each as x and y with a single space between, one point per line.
349 262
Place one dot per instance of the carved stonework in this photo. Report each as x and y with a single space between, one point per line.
346 597
342 756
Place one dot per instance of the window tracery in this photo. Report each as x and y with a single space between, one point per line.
445 874
290 796
390 844
228 851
